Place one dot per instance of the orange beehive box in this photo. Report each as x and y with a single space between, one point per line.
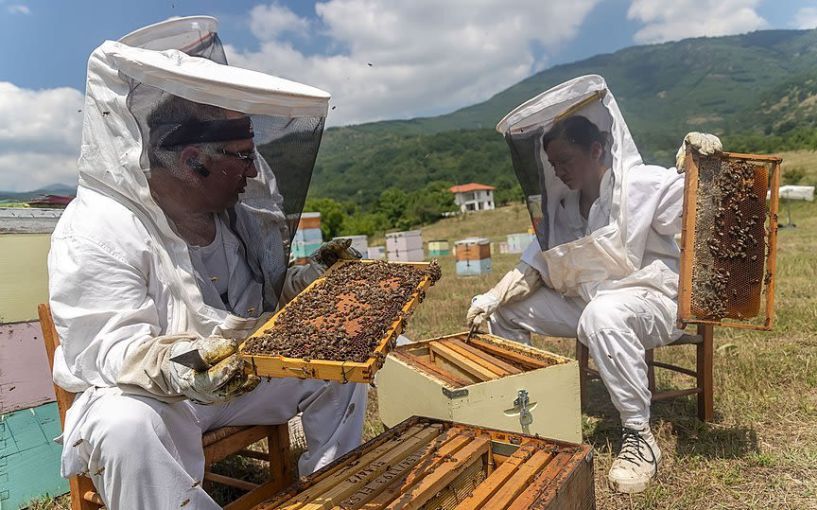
472 249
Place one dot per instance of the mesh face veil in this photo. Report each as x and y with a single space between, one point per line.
177 138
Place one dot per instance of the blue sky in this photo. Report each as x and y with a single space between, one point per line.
428 57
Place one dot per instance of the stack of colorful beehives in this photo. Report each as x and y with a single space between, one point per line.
518 242
308 238
438 248
376 253
405 246
473 256
360 243
29 459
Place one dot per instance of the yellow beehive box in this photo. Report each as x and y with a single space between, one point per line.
485 381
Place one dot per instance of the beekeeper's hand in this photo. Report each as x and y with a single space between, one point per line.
224 380
517 284
482 307
703 143
332 251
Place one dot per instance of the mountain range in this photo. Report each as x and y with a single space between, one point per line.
762 83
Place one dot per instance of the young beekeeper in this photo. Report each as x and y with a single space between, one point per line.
605 267
192 177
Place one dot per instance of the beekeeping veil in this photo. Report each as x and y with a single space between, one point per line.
142 103
609 252
196 36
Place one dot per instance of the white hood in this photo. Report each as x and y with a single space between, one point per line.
611 252
112 145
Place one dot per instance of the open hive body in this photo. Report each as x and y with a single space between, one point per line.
478 382
729 240
335 370
430 464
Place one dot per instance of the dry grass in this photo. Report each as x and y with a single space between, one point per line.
761 450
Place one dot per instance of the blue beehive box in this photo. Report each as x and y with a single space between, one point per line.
473 267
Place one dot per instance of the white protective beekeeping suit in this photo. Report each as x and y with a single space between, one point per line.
123 284
611 280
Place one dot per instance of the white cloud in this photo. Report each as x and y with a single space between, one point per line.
671 20
40 133
19 9
806 18
270 21
397 59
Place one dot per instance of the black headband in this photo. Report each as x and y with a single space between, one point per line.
206 131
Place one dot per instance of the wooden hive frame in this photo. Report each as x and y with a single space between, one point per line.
428 463
686 314
342 371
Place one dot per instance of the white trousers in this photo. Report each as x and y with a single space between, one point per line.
143 453
617 326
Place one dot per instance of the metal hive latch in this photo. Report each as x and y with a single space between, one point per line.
521 404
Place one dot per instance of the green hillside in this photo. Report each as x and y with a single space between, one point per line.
758 89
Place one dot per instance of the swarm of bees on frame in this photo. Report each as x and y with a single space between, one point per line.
345 316
730 231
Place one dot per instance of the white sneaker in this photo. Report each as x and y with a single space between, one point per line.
637 462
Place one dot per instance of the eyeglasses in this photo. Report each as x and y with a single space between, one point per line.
248 158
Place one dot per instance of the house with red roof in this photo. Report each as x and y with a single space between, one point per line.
473 196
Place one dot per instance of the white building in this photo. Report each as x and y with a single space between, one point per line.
473 197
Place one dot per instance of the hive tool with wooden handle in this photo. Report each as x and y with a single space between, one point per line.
471 333
191 359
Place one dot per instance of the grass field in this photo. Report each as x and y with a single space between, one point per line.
761 450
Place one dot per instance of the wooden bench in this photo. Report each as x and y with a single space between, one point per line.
703 372
218 444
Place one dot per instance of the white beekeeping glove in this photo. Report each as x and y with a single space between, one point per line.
149 369
703 143
517 284
223 380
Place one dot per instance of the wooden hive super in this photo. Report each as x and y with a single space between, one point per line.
485 381
431 464
327 369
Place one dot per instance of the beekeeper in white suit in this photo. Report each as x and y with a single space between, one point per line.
605 268
178 239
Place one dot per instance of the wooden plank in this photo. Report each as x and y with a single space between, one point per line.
233 443
229 481
473 368
436 480
29 458
368 466
488 358
520 480
479 360
549 482
25 377
352 484
24 273
495 480
517 357
420 461
404 483
447 377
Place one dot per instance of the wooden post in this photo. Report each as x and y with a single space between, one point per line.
706 400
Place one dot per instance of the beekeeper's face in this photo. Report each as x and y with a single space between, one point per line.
573 164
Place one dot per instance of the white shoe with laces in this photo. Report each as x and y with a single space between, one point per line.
637 462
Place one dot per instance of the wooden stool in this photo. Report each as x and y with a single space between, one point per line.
218 444
702 373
